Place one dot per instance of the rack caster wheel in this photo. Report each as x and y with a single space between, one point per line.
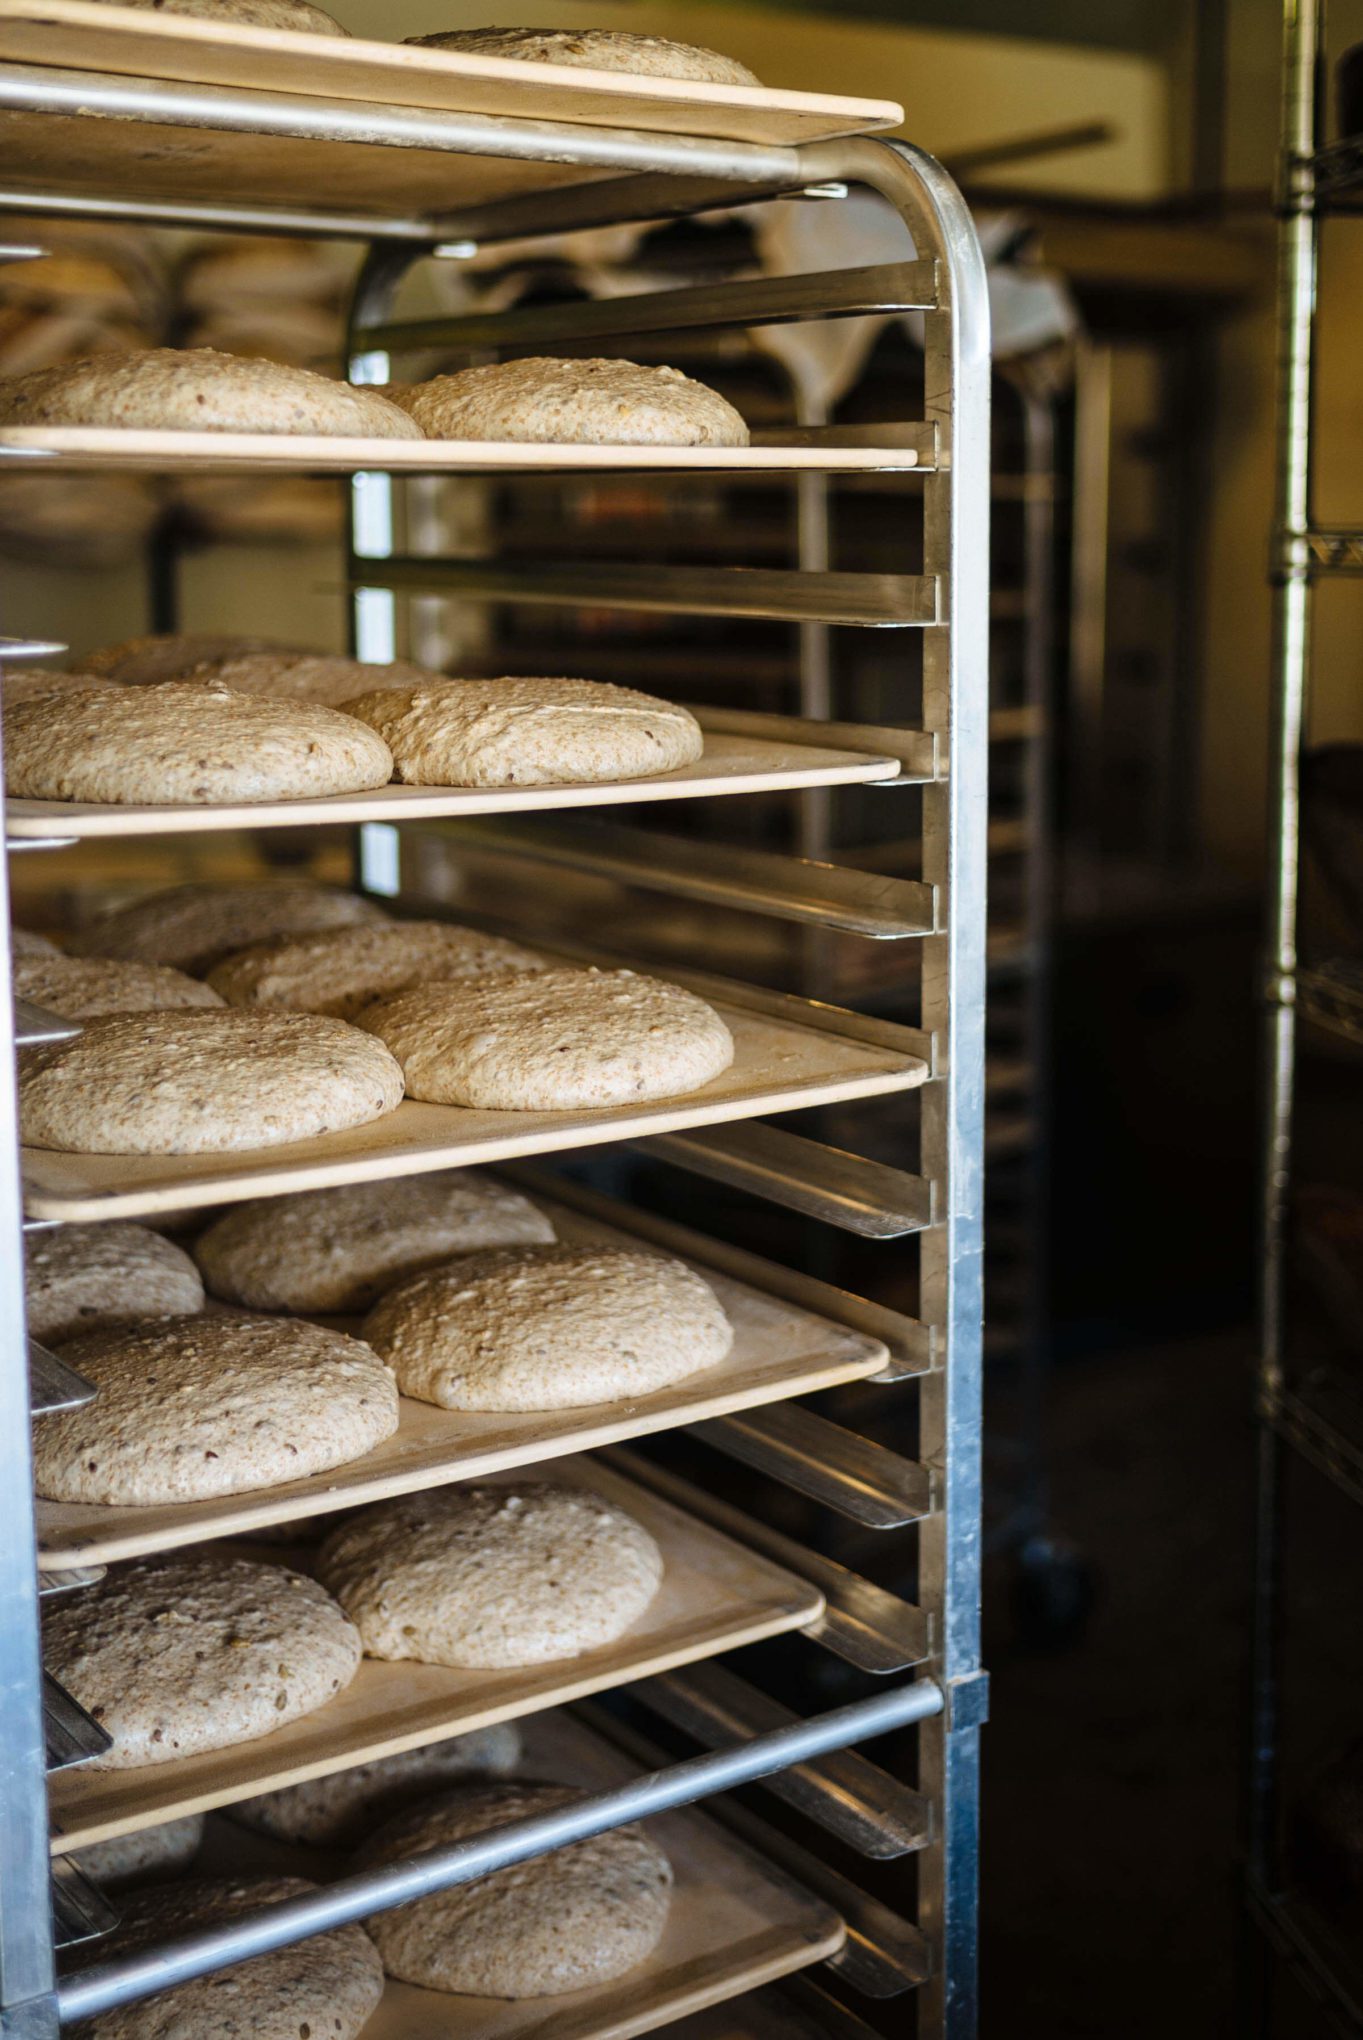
1051 1594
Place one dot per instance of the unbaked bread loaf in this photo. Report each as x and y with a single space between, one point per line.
520 1573
578 1917
298 15
146 1852
22 683
286 674
191 926
343 970
197 389
190 1408
548 1328
327 1986
189 1652
143 661
526 732
185 742
595 49
572 402
341 1809
552 1041
84 987
82 1278
337 1250
193 1083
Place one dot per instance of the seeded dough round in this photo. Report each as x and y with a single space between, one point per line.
22 683
197 389
185 741
523 732
81 1278
23 942
86 987
487 1578
145 661
552 1041
285 674
548 1328
328 1986
193 1407
572 403
595 49
299 15
342 970
147 1851
338 1250
180 1654
561 1922
341 1809
192 926
194 1083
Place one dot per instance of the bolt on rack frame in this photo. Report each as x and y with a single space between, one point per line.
307 153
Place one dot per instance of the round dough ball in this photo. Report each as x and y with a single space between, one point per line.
87 987
548 1328
552 1041
146 1851
342 970
144 661
581 1916
180 1654
197 389
193 1407
572 402
522 732
223 1082
185 742
286 674
192 926
341 1809
298 15
594 49
491 1577
82 1278
328 1986
338 1250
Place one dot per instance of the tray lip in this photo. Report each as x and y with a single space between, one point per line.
83 448
242 1515
98 821
801 1605
856 115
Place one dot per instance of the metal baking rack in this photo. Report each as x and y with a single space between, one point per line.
1303 1416
293 140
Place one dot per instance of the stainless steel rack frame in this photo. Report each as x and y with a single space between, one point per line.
922 1657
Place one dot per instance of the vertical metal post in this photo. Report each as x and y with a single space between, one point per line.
27 2006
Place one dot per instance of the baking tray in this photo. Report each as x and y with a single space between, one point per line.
75 35
780 1065
729 765
715 1596
778 1351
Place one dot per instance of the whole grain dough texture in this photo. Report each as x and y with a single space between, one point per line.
192 926
84 1278
87 987
288 674
185 742
324 1988
579 1917
552 1041
23 683
146 1852
180 1654
571 402
197 389
144 661
193 1083
548 1328
298 15
528 732
342 970
486 1578
189 1408
595 49
24 942
341 1809
338 1250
